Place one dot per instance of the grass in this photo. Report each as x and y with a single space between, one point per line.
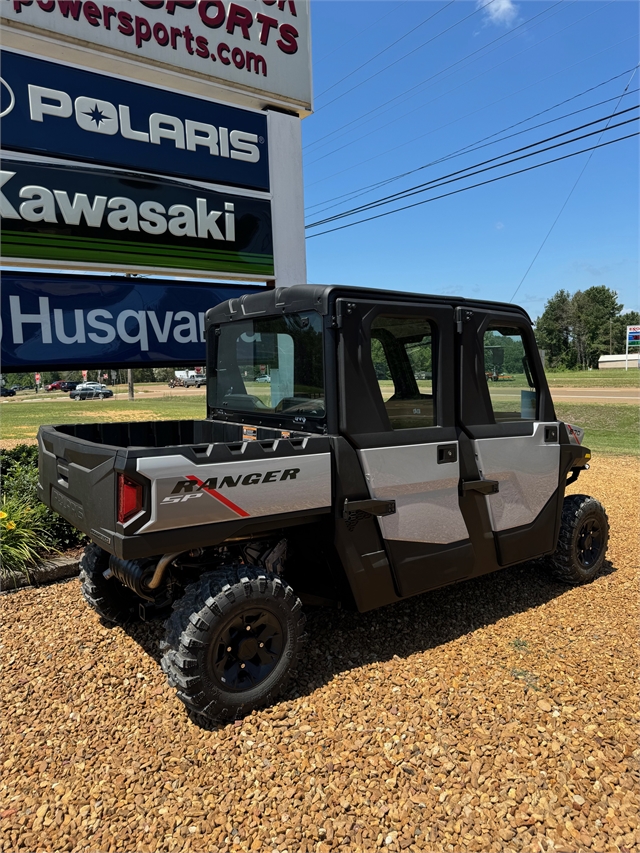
614 378
21 421
611 429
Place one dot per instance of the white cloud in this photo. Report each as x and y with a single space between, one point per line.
499 226
500 11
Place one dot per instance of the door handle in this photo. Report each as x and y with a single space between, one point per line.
485 487
447 453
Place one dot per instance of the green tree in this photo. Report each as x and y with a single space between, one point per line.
553 330
592 312
576 330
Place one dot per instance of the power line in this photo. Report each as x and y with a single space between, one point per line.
571 191
400 59
468 149
423 82
459 175
460 85
384 50
473 186
474 112
359 33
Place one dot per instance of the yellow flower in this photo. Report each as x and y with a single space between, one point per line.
3 514
11 525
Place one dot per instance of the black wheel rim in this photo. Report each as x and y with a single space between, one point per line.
247 649
589 543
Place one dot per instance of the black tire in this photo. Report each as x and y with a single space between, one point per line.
220 671
111 600
583 539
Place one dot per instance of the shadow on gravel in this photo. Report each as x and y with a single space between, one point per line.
341 640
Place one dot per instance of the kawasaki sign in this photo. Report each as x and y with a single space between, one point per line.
110 219
49 108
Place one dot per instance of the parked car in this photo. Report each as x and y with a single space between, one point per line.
92 391
7 392
262 378
16 388
54 386
69 386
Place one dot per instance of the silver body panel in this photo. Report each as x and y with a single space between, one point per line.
265 487
527 470
426 493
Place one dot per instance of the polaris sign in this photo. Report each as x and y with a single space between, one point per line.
49 108
67 321
113 220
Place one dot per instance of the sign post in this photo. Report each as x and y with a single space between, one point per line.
633 340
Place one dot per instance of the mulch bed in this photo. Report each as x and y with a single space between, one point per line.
500 714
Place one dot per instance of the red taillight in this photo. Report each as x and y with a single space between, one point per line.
129 498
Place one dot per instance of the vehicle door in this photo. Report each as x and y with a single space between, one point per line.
507 412
397 396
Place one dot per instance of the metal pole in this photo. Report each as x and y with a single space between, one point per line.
130 383
627 352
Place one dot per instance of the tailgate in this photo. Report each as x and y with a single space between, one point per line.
77 479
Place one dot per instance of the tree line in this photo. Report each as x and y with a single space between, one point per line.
574 331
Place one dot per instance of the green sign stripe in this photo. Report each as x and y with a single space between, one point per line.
175 263
126 249
59 248
130 245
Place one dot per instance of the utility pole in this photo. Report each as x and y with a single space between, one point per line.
130 383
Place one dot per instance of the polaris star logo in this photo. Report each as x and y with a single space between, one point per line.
7 98
98 116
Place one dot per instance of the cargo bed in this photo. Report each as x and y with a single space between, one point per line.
197 482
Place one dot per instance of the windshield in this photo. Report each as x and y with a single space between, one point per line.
271 367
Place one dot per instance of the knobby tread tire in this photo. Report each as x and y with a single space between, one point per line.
193 626
564 561
109 598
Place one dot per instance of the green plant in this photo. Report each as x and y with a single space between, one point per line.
23 537
19 469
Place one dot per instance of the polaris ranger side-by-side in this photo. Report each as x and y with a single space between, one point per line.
403 442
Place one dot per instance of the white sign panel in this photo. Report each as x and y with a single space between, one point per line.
257 45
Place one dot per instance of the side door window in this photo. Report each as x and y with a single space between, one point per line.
513 392
402 355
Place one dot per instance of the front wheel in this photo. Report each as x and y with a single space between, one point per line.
583 539
232 642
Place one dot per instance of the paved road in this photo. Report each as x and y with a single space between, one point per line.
597 395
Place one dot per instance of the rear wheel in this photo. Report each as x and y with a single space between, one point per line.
233 641
109 598
583 539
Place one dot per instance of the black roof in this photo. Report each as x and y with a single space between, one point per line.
320 298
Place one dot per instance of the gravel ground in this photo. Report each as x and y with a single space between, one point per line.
500 714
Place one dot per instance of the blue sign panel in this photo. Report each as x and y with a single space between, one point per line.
68 321
48 108
114 219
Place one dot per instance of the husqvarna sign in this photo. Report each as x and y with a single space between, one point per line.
49 108
261 45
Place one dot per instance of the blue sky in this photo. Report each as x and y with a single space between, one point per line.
479 243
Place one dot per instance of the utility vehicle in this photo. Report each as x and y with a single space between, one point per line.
379 462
